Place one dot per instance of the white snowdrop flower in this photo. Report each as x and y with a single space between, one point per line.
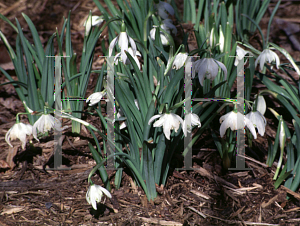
179 60
168 26
168 121
44 124
209 68
194 119
267 56
258 121
92 21
240 54
95 193
94 98
164 7
18 130
120 114
130 51
122 40
234 121
261 104
221 40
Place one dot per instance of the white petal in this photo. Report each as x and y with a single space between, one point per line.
133 46
250 127
153 118
112 45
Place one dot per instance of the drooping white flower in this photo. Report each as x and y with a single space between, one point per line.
44 124
258 121
168 26
235 121
18 130
209 68
168 121
267 56
164 7
194 119
92 21
120 114
130 51
95 193
261 104
240 54
122 40
179 60
94 98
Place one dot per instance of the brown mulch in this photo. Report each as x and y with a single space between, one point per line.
31 194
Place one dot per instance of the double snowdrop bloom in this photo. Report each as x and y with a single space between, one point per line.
164 7
94 98
179 60
122 39
258 121
92 21
194 119
130 51
235 121
168 121
169 27
209 68
267 56
240 54
44 124
95 193
19 130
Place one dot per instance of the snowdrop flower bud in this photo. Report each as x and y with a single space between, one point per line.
209 68
179 60
230 120
267 56
19 130
212 38
94 98
168 121
95 193
282 135
261 104
221 40
92 21
44 124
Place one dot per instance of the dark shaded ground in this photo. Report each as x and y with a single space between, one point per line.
29 195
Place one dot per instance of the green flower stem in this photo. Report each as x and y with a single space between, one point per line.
96 168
